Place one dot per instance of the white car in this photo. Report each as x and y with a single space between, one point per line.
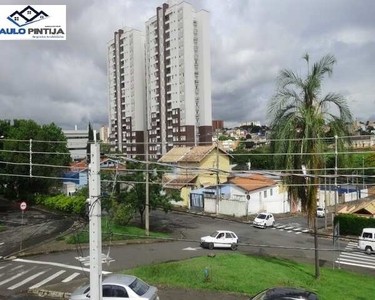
366 241
320 212
119 286
220 239
264 220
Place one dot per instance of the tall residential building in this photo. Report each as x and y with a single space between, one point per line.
178 77
126 80
77 142
177 83
104 134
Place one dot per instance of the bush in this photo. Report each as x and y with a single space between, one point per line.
352 224
121 214
70 204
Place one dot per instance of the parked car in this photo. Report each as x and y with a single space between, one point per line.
220 239
284 293
366 241
320 213
118 286
264 220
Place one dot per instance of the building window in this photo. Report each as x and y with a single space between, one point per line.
271 192
265 194
182 129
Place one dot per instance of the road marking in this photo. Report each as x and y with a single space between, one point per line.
48 279
297 229
192 248
360 257
354 264
26 280
16 268
57 265
7 265
289 227
281 230
13 277
67 279
289 231
305 230
273 228
2 243
282 226
298 232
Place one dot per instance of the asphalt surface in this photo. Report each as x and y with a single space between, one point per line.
187 229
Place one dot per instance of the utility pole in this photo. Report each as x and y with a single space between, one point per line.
147 205
325 194
363 172
336 190
95 224
31 157
217 174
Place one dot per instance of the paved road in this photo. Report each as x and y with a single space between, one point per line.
61 267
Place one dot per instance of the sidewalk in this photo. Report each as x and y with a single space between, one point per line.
63 291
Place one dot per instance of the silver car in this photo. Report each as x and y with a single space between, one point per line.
118 286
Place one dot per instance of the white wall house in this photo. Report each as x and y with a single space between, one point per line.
242 196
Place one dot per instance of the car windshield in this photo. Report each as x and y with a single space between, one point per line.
261 216
139 287
214 234
319 208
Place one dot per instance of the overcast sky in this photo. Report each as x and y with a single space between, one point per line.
251 41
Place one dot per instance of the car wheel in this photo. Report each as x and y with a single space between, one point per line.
233 246
211 246
273 223
368 250
265 225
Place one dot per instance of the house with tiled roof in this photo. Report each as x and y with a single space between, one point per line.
78 173
195 168
244 195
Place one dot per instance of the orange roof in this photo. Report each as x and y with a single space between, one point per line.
82 165
252 182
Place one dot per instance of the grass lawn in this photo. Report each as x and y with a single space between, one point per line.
119 233
247 274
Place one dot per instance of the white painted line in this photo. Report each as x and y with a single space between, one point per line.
297 229
16 268
67 279
366 259
56 265
48 279
282 226
2 243
353 244
289 231
354 264
298 232
356 260
7 265
13 277
26 280
289 227
305 230
273 228
281 230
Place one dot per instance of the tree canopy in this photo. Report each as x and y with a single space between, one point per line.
298 114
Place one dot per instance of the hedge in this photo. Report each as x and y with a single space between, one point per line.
352 224
71 204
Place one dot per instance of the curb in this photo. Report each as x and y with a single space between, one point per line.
52 294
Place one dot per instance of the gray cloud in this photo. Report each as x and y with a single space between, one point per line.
65 81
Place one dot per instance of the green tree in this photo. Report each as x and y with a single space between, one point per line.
22 135
298 115
134 196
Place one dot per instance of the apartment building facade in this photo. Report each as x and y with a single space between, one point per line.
177 107
126 77
178 77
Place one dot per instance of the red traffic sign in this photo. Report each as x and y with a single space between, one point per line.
23 205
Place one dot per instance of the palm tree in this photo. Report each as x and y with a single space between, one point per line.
299 115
